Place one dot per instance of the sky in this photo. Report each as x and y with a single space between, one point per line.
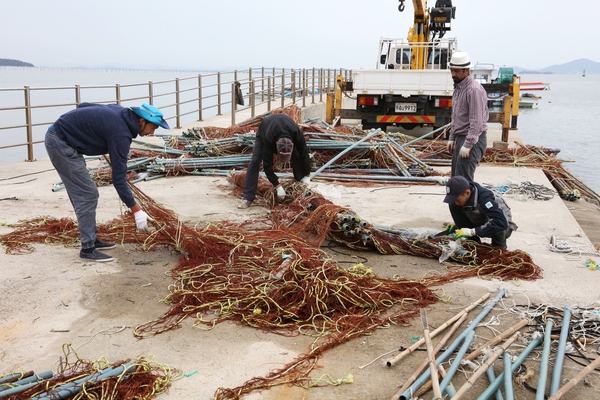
230 34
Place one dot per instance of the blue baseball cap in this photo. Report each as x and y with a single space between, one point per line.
151 114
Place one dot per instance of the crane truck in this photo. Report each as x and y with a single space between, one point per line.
411 84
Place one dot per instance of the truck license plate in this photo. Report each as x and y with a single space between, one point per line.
406 107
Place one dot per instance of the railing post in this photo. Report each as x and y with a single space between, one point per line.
199 97
293 86
28 122
252 99
219 94
177 103
303 73
262 85
328 79
77 95
118 93
150 93
282 87
233 104
269 93
313 85
321 85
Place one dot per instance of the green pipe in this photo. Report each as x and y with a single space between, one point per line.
71 388
500 378
541 388
444 384
560 352
492 377
407 394
508 388
29 379
341 153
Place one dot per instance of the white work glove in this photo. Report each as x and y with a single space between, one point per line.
305 180
280 193
465 151
141 220
450 146
464 233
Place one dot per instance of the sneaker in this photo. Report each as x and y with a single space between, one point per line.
244 204
94 256
104 245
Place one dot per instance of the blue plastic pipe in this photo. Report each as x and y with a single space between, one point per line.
541 388
508 388
407 394
560 353
69 389
456 363
492 377
500 378
341 153
26 383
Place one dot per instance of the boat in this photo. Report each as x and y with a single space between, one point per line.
482 73
529 100
528 86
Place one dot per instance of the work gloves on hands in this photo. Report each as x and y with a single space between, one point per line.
305 180
464 233
141 220
450 228
280 193
465 152
450 146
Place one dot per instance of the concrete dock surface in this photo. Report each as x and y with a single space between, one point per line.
50 297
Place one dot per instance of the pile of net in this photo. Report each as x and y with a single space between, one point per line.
272 274
141 379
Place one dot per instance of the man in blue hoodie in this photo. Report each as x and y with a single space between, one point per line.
97 129
477 212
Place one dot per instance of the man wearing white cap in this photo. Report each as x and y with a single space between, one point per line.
477 212
96 129
277 134
468 134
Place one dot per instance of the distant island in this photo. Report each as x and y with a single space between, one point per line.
7 62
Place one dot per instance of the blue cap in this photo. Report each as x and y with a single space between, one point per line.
151 114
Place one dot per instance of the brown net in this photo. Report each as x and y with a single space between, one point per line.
141 379
273 276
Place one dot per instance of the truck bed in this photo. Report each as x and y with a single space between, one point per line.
434 82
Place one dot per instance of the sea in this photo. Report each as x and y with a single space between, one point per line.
565 118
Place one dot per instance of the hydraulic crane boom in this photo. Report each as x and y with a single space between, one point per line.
427 24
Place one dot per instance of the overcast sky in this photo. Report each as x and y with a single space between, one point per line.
228 34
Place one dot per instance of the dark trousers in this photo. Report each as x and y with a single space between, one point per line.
466 166
251 182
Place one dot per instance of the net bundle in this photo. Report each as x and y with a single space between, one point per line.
272 274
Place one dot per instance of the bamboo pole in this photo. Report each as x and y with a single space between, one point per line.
492 342
408 393
576 379
446 324
481 370
436 350
437 394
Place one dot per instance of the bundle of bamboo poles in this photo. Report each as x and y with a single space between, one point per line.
432 375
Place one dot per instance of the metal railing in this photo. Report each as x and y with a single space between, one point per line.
25 113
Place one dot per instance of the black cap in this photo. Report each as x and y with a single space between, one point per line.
454 187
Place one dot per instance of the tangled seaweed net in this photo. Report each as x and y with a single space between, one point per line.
141 379
277 279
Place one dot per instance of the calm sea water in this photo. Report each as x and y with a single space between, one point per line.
565 118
